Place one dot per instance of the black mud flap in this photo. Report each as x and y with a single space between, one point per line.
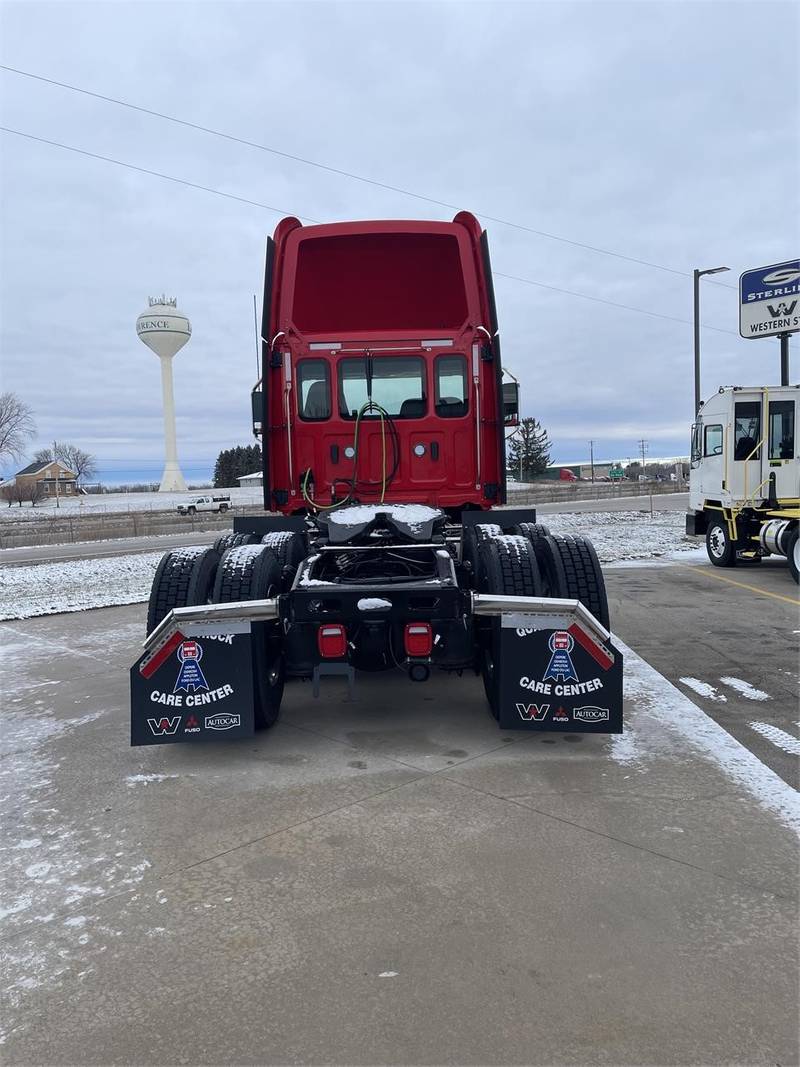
193 689
555 679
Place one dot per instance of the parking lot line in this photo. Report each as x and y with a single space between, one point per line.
742 585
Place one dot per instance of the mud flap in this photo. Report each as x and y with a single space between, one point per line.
553 675
193 689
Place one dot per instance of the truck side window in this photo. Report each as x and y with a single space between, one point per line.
781 429
313 390
450 389
697 437
713 440
747 429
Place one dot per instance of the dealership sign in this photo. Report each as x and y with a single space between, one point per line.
769 300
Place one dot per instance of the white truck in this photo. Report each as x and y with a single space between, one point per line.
744 482
221 503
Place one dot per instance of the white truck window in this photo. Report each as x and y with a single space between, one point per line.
781 429
747 429
712 446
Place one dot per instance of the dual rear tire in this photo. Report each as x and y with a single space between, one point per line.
547 565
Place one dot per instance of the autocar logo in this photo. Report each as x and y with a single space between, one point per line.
223 721
590 714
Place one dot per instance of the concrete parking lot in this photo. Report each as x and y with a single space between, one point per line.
394 880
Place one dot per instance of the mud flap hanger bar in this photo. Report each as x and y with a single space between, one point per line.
554 612
238 611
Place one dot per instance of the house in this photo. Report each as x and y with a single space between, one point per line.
54 478
251 481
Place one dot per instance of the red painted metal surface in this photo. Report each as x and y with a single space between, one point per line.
357 294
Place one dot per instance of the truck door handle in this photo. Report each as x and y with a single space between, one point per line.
334 453
434 449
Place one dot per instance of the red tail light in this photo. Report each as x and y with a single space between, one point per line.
418 639
332 641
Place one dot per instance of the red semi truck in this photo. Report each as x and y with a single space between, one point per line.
385 543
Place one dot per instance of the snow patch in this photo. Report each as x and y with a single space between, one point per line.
778 737
745 689
75 585
136 779
703 689
373 603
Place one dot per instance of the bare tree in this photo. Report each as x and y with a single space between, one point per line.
82 464
13 493
34 491
16 426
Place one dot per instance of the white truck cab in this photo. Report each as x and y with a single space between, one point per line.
744 482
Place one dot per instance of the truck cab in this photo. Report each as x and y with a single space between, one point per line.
745 472
382 375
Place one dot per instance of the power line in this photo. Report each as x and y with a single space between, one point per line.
346 173
307 218
152 173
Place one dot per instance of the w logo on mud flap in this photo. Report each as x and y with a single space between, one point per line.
164 726
533 712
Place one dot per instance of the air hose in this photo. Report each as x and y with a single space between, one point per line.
368 408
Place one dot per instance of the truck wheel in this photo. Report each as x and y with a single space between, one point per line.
570 569
793 552
232 540
184 577
721 550
531 530
191 511
251 572
471 539
223 507
289 547
508 566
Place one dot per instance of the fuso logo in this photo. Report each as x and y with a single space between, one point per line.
164 726
782 277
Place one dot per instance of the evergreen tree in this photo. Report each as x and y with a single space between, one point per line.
529 450
233 463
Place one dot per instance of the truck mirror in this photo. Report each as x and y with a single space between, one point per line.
511 403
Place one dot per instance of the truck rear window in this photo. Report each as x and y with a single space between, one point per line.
450 396
397 383
313 390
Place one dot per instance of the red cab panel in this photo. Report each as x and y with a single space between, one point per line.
382 372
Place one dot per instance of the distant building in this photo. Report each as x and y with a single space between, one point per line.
54 478
251 481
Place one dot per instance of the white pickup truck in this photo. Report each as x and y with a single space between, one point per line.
205 503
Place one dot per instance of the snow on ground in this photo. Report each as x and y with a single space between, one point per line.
98 503
627 535
75 585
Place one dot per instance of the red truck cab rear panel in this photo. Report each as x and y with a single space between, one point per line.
399 312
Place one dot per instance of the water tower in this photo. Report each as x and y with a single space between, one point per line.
165 330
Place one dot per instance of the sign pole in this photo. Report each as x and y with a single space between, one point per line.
784 359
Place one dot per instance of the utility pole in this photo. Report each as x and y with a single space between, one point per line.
643 449
697 275
55 460
784 358
591 457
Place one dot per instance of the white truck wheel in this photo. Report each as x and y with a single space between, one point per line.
721 550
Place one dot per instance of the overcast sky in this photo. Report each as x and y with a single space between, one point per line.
666 132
